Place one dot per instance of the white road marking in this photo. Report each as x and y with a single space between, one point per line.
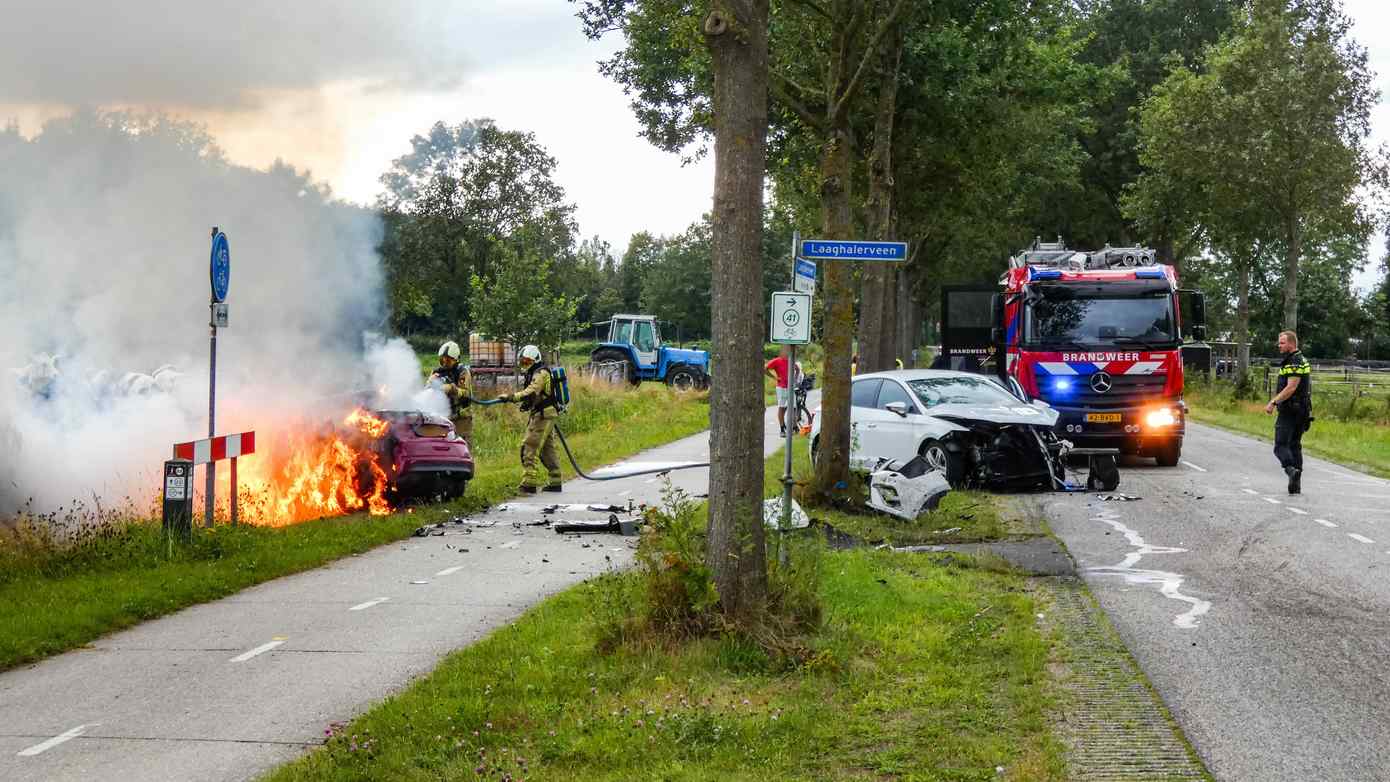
1272 501
1326 523
45 746
1170 584
1250 491
369 604
1195 467
1361 538
513 544
624 493
1299 511
449 571
262 649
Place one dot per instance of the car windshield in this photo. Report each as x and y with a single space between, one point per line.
935 391
1062 317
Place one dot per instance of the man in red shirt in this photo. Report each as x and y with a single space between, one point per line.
779 370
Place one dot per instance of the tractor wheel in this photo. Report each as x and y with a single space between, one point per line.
611 356
682 379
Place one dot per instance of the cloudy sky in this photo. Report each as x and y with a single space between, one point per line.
339 87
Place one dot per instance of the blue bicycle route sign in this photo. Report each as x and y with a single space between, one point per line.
837 250
220 269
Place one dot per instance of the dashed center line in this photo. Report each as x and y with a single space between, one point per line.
1195 467
262 649
1361 538
449 571
1299 511
1272 501
1326 523
1250 491
45 746
369 604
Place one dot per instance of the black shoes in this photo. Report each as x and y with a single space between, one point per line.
1295 480
555 487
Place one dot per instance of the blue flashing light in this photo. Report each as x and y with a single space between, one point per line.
1047 274
1149 274
1062 385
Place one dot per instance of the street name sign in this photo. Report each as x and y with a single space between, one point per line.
836 250
805 279
791 318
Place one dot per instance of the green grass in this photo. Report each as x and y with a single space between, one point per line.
57 598
1343 432
924 668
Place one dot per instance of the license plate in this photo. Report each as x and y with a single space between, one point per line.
1102 418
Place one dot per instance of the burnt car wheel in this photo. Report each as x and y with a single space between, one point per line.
950 463
683 379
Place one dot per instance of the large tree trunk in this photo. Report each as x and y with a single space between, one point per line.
736 32
876 351
1242 318
832 460
1293 247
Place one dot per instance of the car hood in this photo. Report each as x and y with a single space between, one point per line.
997 414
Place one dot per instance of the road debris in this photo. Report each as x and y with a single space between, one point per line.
907 491
1118 497
614 526
772 515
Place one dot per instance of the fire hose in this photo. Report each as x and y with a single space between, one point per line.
575 464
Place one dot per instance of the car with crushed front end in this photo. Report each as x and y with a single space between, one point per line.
973 428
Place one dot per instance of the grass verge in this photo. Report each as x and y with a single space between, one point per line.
1354 442
54 598
924 668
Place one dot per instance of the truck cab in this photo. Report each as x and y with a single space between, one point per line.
1097 335
635 340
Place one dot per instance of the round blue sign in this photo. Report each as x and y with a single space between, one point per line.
221 269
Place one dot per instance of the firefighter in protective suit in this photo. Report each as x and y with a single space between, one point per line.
456 382
538 398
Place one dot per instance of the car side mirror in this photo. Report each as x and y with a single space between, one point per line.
996 335
897 407
1199 333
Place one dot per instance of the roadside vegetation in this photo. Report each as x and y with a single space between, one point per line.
1348 430
70 577
868 664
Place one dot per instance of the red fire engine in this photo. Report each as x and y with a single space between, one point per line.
1097 335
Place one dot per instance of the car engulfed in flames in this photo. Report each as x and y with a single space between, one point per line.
366 461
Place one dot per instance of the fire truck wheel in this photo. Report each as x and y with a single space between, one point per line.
1167 455
950 463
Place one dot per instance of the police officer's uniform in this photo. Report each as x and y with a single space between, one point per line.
1294 415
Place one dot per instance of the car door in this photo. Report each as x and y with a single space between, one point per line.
894 436
863 419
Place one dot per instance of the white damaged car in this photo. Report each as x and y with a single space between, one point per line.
971 427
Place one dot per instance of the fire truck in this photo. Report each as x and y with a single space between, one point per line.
1098 335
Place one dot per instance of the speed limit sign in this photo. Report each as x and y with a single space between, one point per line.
791 318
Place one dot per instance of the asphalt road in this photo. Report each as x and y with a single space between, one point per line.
1262 619
230 689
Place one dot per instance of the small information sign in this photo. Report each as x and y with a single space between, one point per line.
791 318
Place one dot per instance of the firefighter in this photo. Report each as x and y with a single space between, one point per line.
456 382
1294 401
538 398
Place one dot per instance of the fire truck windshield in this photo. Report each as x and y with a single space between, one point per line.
1059 316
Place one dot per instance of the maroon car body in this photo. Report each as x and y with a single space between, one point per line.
423 456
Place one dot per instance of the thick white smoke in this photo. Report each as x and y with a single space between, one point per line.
104 245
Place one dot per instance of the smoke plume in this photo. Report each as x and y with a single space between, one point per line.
104 245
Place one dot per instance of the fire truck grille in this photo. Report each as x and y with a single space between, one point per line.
1125 391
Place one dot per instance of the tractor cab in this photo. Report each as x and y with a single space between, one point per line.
635 342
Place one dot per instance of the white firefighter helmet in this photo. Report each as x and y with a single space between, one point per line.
450 349
531 353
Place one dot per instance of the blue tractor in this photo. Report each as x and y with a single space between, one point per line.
635 340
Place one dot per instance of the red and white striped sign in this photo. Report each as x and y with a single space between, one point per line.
215 449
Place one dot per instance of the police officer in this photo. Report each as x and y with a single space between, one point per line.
538 398
456 382
1294 402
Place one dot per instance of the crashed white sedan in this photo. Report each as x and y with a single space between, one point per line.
966 425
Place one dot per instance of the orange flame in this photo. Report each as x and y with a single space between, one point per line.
306 474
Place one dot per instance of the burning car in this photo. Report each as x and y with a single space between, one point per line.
968 426
420 454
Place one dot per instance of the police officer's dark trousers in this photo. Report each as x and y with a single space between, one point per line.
1288 438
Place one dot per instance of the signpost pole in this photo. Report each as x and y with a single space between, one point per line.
234 492
211 469
791 421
